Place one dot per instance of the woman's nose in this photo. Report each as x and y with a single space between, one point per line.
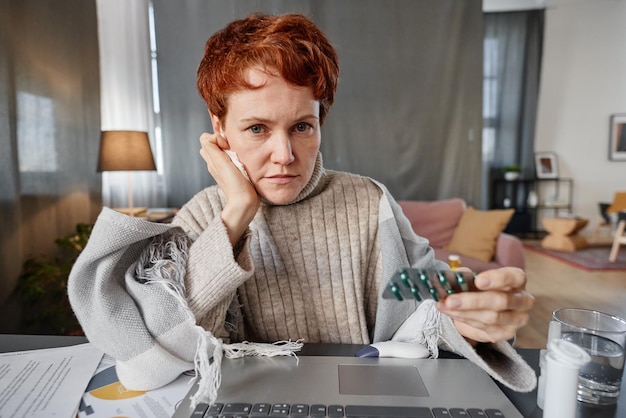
281 149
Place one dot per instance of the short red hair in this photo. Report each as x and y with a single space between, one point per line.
291 44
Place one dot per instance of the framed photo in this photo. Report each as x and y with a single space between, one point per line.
617 139
546 165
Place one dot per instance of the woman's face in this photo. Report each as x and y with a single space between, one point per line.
275 131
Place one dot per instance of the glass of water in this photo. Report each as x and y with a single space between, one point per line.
603 336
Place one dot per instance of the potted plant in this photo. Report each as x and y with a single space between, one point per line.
511 172
42 287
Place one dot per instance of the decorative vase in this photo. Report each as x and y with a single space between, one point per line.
533 199
511 175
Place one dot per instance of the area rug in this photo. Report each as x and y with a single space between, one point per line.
590 258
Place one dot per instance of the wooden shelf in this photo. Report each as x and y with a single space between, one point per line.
554 198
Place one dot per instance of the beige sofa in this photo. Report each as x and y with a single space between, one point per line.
484 248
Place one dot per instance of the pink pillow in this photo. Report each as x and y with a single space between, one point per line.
435 220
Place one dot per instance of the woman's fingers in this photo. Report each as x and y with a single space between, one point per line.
505 278
488 300
496 311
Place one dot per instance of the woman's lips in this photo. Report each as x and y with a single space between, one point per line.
281 179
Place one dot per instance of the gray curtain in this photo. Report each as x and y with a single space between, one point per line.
49 127
408 106
513 49
11 240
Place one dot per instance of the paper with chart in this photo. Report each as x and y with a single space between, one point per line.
105 396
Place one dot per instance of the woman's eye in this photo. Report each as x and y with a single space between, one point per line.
256 129
303 127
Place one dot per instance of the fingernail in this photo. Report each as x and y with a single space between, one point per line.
453 303
482 282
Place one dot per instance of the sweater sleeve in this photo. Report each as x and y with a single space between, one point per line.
215 269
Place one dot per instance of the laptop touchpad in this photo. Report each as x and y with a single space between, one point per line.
380 380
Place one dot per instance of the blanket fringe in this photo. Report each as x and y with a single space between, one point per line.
422 327
208 368
164 262
279 348
432 329
209 371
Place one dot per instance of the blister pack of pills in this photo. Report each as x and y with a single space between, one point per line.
420 284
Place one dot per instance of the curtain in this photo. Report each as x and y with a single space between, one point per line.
512 65
49 127
127 96
408 106
11 239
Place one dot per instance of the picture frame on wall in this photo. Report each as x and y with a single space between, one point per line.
617 138
546 166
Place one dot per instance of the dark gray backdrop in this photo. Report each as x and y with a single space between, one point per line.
408 107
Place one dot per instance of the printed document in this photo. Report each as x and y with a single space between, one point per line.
105 396
46 383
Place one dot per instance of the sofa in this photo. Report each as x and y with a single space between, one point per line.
476 236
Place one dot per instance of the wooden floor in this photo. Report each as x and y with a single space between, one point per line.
555 284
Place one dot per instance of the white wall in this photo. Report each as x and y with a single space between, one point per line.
583 82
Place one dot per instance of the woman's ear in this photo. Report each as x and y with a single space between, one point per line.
217 124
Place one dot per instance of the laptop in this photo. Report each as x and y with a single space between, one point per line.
329 386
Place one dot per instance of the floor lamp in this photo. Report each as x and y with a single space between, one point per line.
126 151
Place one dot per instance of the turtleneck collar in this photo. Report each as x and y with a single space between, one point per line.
316 184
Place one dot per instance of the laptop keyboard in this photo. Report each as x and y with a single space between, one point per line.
237 410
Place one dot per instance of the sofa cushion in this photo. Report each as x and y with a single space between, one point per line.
434 220
477 232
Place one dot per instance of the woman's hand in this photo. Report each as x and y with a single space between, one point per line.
496 312
242 200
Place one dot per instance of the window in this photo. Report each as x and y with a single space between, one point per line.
490 96
37 150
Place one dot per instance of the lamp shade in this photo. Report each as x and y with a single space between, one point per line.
125 151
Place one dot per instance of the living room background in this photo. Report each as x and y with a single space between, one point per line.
49 128
582 83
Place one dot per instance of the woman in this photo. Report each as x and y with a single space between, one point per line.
280 249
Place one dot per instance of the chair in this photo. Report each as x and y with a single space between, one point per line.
618 206
604 222
620 236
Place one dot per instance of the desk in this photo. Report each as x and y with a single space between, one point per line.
526 403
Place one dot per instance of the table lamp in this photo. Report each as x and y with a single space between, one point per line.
126 151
